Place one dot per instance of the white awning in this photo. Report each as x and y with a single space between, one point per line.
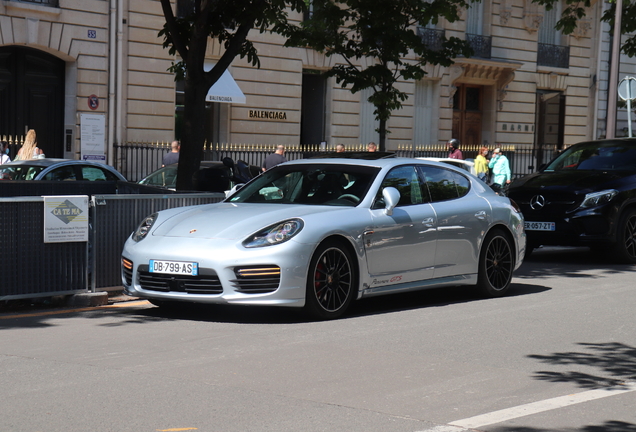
225 90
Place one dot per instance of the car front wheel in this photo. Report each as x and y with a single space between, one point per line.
625 250
496 263
331 281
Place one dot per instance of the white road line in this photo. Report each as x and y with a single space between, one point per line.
540 406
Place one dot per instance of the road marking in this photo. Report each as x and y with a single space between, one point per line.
540 406
66 311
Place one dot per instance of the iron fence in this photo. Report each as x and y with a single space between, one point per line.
136 160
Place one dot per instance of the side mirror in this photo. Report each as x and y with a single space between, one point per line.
391 198
234 189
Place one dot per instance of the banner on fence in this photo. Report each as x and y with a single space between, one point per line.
65 219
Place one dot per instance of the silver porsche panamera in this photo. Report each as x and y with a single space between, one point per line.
321 233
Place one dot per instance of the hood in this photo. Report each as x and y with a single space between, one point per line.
568 180
231 220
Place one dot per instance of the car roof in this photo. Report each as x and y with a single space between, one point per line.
46 162
378 163
366 155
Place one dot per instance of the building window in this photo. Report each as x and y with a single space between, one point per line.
551 49
426 113
52 3
480 43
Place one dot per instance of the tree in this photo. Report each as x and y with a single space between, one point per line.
385 32
187 36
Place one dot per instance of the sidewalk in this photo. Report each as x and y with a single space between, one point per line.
100 298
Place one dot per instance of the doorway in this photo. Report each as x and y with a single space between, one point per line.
467 114
32 96
312 114
550 125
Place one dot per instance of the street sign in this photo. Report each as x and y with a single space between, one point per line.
627 88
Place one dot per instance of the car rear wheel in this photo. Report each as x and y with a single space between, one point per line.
496 263
331 281
625 250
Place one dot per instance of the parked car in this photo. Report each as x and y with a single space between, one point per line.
467 165
586 196
213 176
320 233
58 169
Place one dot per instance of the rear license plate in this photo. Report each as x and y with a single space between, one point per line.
540 226
174 267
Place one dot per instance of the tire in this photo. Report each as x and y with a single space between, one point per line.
332 281
625 250
496 263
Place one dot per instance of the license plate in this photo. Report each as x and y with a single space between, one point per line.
174 267
540 226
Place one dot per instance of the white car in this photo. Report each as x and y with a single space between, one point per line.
320 233
467 165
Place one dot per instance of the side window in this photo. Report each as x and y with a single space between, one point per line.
406 180
444 184
61 174
96 174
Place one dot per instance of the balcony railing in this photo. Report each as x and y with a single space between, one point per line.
553 55
481 45
432 38
52 3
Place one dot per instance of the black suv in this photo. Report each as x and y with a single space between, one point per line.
585 197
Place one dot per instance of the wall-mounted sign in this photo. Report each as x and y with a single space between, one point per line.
93 102
270 115
65 219
93 137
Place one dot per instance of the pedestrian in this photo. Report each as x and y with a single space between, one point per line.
500 168
278 157
30 149
453 149
372 147
481 165
4 152
340 148
173 156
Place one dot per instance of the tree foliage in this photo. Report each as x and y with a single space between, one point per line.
385 33
187 36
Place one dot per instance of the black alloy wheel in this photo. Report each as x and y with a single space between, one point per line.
625 250
496 263
331 281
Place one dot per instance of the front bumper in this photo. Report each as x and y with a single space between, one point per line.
228 273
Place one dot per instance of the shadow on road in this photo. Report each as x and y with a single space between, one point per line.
611 365
580 262
609 426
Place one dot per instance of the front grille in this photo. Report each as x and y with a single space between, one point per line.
556 204
127 270
257 279
207 282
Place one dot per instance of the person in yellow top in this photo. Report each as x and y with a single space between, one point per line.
481 164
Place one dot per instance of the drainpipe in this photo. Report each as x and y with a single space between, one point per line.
612 90
111 81
120 73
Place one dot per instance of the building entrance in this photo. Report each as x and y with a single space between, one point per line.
467 114
32 96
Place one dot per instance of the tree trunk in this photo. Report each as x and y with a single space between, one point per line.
193 137
382 131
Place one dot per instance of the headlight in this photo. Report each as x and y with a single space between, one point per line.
144 227
274 234
598 198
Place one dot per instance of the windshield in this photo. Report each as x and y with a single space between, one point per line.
20 172
164 177
315 184
599 156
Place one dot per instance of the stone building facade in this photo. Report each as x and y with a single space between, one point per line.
86 72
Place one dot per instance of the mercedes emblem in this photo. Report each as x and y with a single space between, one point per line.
537 202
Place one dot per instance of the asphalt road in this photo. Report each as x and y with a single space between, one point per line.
557 354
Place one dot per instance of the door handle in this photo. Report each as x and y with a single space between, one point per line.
428 222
